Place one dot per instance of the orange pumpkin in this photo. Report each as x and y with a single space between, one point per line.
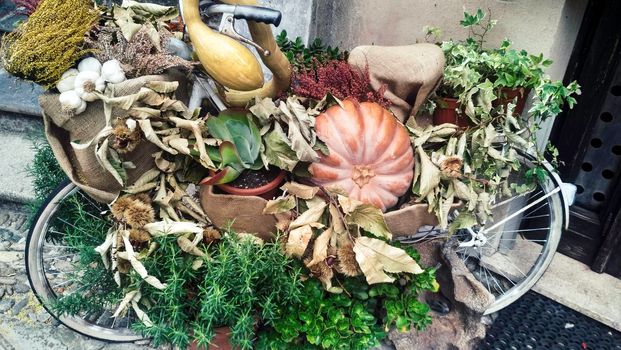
371 157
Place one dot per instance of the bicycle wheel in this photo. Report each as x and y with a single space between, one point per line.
511 253
52 254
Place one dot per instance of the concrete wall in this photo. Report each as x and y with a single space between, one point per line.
538 26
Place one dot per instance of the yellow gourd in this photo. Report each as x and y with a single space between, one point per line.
226 60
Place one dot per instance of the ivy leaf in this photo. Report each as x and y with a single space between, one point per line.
377 257
300 191
320 247
366 216
463 220
279 205
298 241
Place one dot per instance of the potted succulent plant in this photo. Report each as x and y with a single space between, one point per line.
241 170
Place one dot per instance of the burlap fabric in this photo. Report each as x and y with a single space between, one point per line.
410 73
81 166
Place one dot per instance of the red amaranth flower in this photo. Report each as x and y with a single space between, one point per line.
339 79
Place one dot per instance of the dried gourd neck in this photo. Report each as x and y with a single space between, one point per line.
362 174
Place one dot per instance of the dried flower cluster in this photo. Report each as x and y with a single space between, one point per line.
50 42
138 56
339 79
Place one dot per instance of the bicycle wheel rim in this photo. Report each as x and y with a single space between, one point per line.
515 286
39 282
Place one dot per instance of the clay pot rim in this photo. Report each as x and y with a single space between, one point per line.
257 191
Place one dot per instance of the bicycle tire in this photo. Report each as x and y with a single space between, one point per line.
39 281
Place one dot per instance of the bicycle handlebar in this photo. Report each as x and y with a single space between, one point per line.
249 13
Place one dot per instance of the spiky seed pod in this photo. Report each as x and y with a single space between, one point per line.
139 235
123 266
321 270
347 264
120 205
139 214
211 235
143 197
125 140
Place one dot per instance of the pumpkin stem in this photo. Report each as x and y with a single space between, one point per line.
362 174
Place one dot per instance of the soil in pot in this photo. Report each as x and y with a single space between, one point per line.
508 95
447 112
262 183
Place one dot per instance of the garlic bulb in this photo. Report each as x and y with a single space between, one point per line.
81 108
87 84
67 80
70 101
112 72
90 65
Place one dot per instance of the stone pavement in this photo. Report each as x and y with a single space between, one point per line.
24 324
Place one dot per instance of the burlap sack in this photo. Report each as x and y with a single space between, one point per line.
410 73
242 213
81 166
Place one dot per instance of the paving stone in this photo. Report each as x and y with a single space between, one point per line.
18 95
17 308
6 304
19 247
10 257
8 280
21 288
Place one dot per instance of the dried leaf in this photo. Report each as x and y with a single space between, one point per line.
278 149
164 228
105 247
429 175
163 87
138 266
279 205
366 216
298 241
300 191
310 217
149 134
377 257
127 299
264 110
320 247
102 156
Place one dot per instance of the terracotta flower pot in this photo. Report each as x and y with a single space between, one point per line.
447 112
219 342
267 191
507 95
242 213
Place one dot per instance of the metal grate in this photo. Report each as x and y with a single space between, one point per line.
536 322
601 162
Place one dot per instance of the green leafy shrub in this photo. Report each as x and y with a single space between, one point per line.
303 57
358 318
243 283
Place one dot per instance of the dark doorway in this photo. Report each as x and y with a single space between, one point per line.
589 141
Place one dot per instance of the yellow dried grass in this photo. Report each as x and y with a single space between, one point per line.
50 42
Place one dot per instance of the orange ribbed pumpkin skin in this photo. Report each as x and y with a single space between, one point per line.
371 156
